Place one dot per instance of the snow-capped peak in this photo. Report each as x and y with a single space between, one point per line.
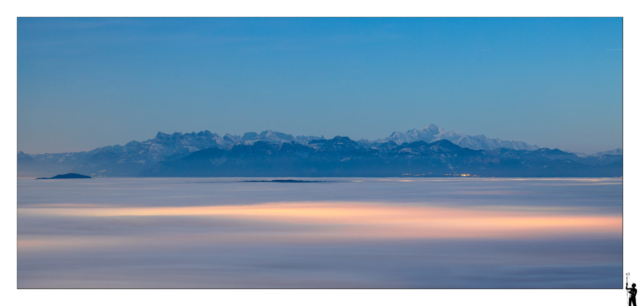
432 132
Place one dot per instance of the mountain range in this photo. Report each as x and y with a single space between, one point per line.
432 132
427 151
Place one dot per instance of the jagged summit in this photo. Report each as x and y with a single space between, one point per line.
432 132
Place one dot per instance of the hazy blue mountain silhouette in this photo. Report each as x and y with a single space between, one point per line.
342 156
271 153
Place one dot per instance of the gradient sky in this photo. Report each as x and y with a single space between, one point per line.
90 82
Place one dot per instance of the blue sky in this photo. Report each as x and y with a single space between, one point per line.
90 82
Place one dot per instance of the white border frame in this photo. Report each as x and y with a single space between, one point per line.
543 8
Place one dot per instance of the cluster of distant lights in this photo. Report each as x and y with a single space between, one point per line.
462 174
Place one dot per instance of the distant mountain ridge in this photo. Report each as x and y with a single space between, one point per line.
342 156
432 132
617 151
148 157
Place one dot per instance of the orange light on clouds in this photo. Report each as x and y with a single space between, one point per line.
364 221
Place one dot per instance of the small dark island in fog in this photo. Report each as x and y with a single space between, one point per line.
284 181
65 176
